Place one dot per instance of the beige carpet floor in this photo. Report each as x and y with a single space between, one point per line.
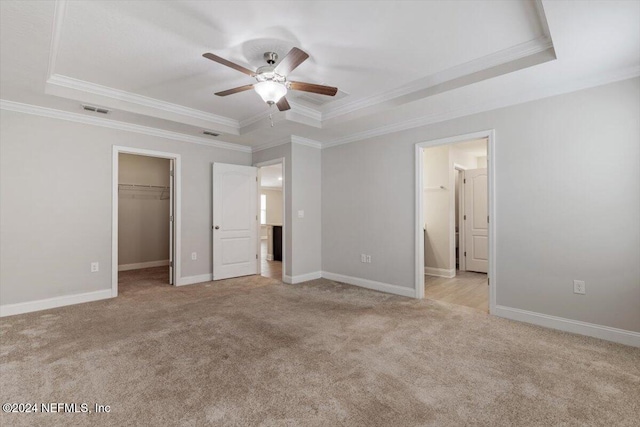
254 351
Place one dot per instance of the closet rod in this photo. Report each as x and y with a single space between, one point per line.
163 187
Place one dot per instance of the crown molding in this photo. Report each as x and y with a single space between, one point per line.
121 95
295 139
514 99
502 57
276 143
114 124
59 13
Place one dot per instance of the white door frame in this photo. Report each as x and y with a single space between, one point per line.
280 160
419 209
461 235
177 213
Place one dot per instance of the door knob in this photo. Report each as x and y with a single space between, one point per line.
217 227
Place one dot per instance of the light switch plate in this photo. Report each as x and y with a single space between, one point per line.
95 267
579 287
300 214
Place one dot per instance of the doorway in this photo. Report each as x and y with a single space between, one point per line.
272 218
455 241
145 219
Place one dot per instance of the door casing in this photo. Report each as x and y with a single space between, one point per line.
419 209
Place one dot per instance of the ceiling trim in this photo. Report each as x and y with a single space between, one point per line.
276 143
317 116
293 139
56 32
514 99
305 141
495 59
121 95
114 124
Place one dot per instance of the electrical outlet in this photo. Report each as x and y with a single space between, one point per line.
368 259
579 287
363 258
194 256
95 267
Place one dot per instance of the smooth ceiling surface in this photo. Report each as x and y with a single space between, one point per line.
155 48
142 59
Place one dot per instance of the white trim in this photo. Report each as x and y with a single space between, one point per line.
145 101
462 262
370 284
419 211
192 280
574 326
114 124
486 62
140 265
294 280
269 257
177 224
306 111
45 304
276 143
295 139
271 189
59 14
440 272
501 102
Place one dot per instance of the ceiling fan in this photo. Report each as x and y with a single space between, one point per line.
272 80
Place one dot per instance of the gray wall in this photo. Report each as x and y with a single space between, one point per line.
143 213
55 204
567 194
306 193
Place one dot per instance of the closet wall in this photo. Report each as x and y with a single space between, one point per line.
143 213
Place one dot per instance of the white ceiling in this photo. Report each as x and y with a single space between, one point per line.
271 176
399 64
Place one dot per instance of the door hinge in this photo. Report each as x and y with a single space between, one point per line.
487 218
170 173
464 181
465 217
256 179
256 256
170 218
465 253
488 281
256 217
170 263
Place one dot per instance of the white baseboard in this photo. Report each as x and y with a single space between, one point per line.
301 277
575 326
440 272
139 265
370 284
45 304
269 257
190 280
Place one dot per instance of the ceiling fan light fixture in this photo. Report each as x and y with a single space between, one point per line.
270 91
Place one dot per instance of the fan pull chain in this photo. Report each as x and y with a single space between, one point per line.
271 118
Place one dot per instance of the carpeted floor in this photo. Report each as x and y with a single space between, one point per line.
254 351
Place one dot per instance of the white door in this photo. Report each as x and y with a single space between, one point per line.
171 220
476 220
235 221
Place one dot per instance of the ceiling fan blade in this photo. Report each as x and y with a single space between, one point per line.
310 87
234 90
289 63
283 104
223 61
